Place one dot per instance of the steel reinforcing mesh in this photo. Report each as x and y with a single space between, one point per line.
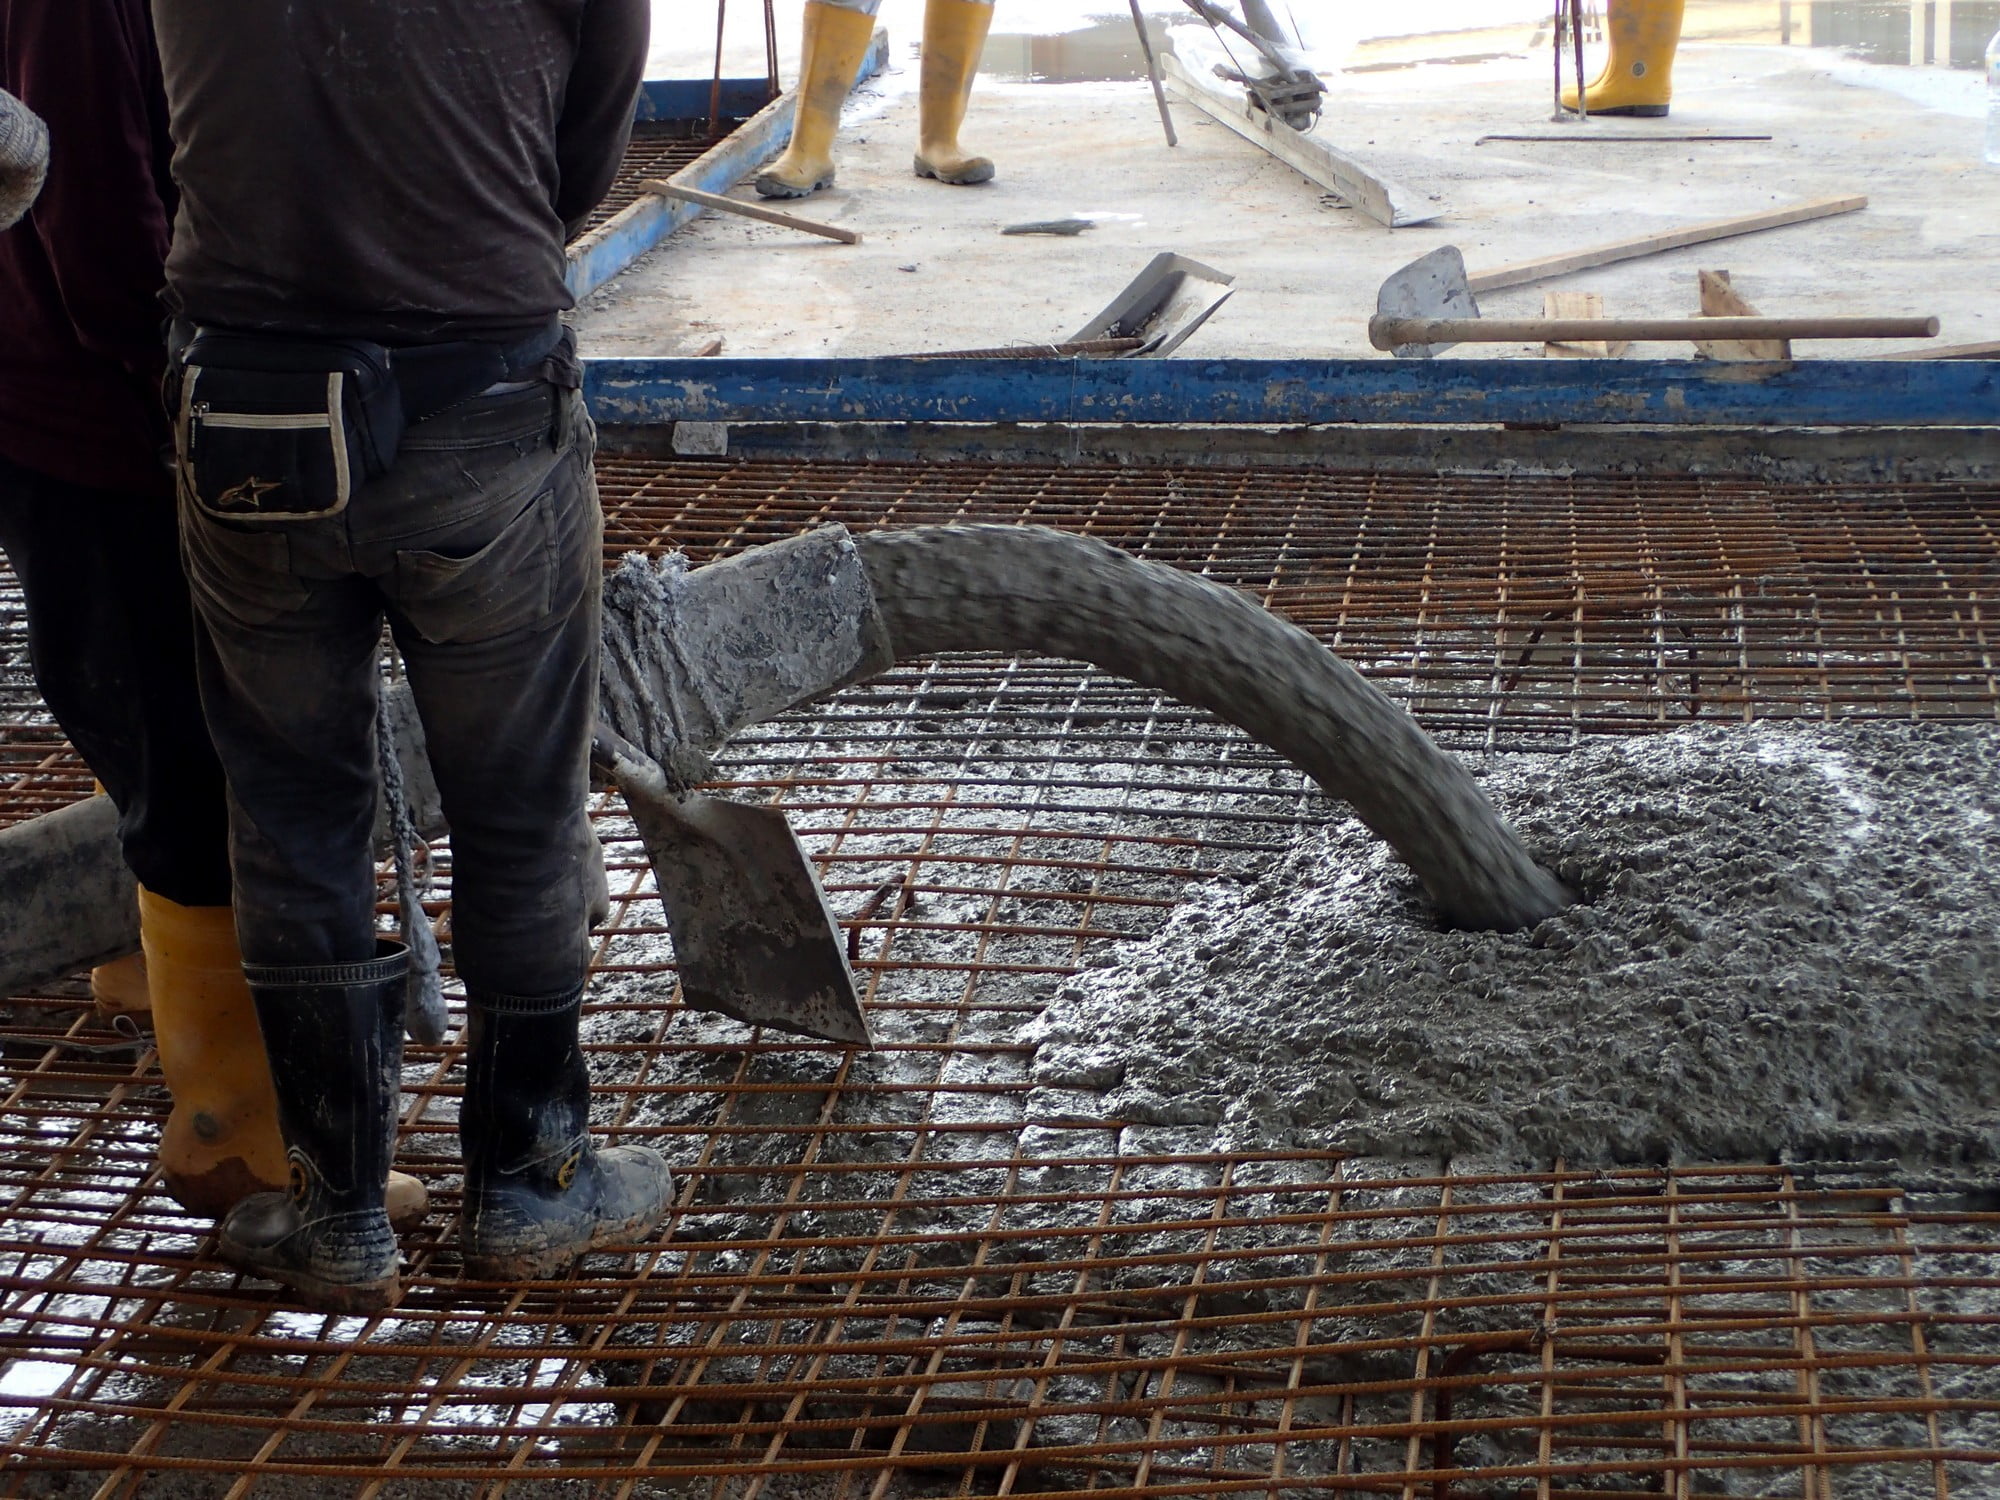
915 1272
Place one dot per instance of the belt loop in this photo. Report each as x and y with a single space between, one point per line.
563 428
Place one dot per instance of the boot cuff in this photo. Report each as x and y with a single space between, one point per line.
391 961
525 1005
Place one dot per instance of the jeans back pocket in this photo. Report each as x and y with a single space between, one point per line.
503 584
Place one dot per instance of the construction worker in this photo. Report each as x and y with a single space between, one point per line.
379 417
87 521
1638 74
837 34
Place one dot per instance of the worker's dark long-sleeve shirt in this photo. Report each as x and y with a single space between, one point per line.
80 345
398 170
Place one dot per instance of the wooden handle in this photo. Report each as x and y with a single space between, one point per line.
1389 333
749 210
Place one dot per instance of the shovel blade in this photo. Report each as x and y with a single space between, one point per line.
1431 286
753 935
1164 303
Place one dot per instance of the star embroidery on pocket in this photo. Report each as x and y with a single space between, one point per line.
250 492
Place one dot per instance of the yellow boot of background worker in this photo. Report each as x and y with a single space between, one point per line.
221 1142
119 987
836 38
1638 76
954 36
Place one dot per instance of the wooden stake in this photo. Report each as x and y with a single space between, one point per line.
1579 305
1721 300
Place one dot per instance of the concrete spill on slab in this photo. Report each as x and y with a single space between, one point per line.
1790 946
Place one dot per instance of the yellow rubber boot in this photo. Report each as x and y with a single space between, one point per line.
836 38
1638 76
954 34
221 1141
120 987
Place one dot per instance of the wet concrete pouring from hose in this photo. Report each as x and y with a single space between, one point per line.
1787 948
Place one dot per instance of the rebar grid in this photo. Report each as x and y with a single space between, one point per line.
918 1271
659 148
1507 612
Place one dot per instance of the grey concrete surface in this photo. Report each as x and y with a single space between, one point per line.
934 272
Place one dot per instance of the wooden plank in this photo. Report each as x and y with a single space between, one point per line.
1721 300
1579 305
1594 138
1807 393
1988 350
1522 271
724 204
1382 200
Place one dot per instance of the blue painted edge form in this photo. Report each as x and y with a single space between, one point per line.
602 254
1815 393
687 98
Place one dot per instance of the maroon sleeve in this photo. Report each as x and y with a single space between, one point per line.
596 120
91 71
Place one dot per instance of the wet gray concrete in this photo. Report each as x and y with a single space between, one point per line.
1789 950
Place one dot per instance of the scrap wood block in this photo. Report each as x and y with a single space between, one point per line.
1579 305
1721 300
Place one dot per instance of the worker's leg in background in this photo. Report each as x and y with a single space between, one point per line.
954 36
496 613
111 638
1638 75
837 33
289 649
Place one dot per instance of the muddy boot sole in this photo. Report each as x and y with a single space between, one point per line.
977 169
537 1249
1631 111
769 186
328 1296
542 1263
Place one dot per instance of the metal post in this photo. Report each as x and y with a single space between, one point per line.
715 83
1153 72
1556 102
1576 37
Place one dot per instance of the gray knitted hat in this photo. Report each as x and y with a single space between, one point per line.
24 157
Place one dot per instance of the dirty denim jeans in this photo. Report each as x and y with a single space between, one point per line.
482 548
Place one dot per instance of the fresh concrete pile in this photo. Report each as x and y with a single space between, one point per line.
1789 945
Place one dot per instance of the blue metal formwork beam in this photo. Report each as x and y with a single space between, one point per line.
688 98
1285 393
609 249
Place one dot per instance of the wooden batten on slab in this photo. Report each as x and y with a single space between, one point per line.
1384 201
1544 267
1579 305
1721 300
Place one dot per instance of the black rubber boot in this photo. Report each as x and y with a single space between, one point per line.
334 1035
537 1193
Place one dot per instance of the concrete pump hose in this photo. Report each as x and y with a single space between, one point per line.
1052 593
